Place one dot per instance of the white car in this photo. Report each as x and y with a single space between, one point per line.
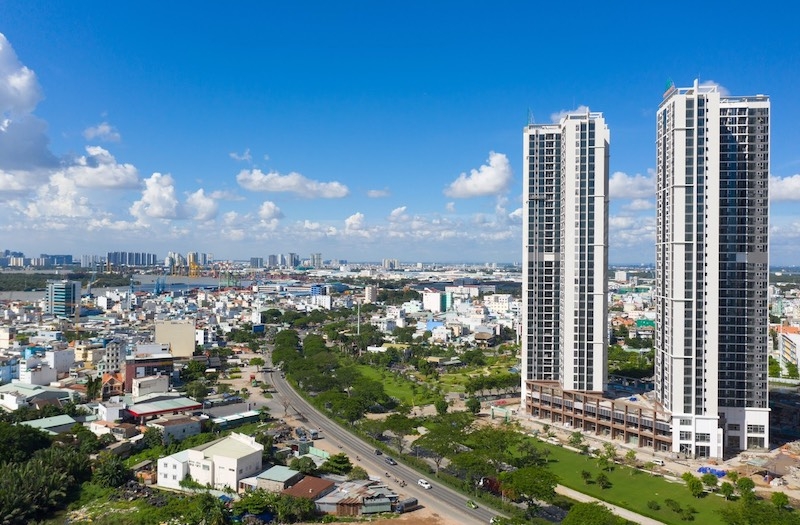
424 484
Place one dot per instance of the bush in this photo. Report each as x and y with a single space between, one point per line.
686 515
653 505
672 505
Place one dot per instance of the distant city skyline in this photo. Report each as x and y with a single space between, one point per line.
362 134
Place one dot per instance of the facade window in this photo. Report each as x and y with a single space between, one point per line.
755 429
685 436
703 438
685 422
734 427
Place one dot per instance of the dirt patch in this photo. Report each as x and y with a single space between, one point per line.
417 517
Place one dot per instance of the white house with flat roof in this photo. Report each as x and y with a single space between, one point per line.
221 463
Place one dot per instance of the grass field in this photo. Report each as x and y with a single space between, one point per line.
406 391
633 489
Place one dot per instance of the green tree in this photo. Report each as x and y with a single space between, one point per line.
791 371
19 442
531 483
337 464
727 489
441 406
197 390
630 460
773 367
400 426
695 486
779 499
745 486
93 387
193 371
587 476
576 439
710 480
602 481
110 471
358 473
257 361
590 514
303 464
473 405
153 438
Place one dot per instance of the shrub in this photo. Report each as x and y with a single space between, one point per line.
672 505
653 505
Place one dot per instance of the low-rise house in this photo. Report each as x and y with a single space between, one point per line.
220 464
278 478
52 425
358 497
310 487
176 428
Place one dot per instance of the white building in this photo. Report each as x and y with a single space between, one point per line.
221 463
35 371
178 334
370 294
142 386
712 269
565 252
114 357
60 360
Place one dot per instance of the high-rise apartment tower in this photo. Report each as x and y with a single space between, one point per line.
565 252
712 174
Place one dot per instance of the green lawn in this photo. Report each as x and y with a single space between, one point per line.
406 391
632 491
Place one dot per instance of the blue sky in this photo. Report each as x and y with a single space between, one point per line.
362 130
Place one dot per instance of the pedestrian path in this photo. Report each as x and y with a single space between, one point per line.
619 511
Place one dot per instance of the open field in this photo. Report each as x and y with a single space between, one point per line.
632 489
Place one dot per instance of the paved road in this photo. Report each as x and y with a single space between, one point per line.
439 499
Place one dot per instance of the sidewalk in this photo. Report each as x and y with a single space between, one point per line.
619 511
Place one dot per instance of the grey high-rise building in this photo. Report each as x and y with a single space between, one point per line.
565 252
712 214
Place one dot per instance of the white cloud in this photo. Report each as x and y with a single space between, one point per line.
580 110
23 138
626 232
59 198
398 214
230 218
158 199
244 157
201 206
19 88
784 188
225 195
354 222
640 205
722 89
377 194
623 186
103 131
256 180
269 211
99 169
516 215
450 207
489 179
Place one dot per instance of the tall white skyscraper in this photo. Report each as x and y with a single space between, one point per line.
565 252
712 269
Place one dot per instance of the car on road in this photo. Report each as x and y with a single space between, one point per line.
390 461
471 504
424 484
378 452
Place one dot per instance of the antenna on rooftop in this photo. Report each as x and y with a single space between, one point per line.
531 120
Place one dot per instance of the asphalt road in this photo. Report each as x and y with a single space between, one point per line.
440 499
